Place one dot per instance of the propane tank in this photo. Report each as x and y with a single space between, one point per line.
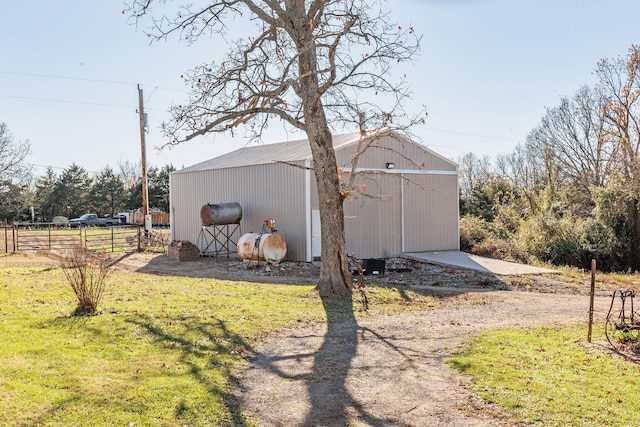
270 247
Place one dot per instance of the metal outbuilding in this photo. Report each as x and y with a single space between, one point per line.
408 199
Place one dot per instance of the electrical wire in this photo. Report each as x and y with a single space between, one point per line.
68 101
86 79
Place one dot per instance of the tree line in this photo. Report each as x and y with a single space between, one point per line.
571 192
73 191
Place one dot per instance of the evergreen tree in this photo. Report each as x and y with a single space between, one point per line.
159 187
72 191
46 205
107 193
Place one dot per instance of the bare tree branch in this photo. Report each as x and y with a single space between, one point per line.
315 65
13 154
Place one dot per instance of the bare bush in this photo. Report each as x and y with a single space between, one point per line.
493 247
87 273
156 241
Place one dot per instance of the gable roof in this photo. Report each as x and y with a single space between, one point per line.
288 151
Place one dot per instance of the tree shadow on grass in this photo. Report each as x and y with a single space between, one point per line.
325 374
331 403
204 347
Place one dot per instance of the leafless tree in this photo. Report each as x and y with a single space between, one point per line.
13 154
619 79
472 169
15 174
130 172
315 65
524 170
574 135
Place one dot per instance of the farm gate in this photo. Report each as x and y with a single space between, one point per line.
48 237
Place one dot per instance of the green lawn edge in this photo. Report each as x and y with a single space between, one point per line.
551 376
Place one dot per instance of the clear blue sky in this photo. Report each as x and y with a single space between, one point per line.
486 72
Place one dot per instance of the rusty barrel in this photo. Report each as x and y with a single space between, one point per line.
221 213
270 247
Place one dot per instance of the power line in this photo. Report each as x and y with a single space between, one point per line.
155 88
86 79
56 167
51 76
73 78
465 150
68 101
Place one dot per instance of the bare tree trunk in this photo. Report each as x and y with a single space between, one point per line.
334 269
635 239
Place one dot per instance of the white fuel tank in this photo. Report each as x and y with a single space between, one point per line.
270 247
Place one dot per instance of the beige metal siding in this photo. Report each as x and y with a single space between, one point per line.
410 208
264 191
402 153
411 213
373 222
401 213
431 213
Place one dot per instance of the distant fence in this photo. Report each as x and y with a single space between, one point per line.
157 219
52 237
7 239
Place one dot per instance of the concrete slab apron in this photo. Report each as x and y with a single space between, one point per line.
474 262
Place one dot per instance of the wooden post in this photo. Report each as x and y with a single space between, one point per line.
145 187
591 297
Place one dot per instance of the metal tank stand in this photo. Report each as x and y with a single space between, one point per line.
218 240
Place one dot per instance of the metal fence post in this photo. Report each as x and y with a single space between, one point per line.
591 297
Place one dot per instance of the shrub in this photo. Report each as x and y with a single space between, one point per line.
549 239
473 230
484 238
493 247
86 272
597 242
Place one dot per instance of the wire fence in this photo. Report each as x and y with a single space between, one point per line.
54 237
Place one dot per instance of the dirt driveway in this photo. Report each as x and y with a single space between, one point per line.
390 371
384 370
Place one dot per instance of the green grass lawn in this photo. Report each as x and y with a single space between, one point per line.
548 376
162 351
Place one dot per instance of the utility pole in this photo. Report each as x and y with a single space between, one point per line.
145 187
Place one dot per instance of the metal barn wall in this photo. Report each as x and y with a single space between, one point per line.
403 213
264 191
400 212
373 224
430 206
